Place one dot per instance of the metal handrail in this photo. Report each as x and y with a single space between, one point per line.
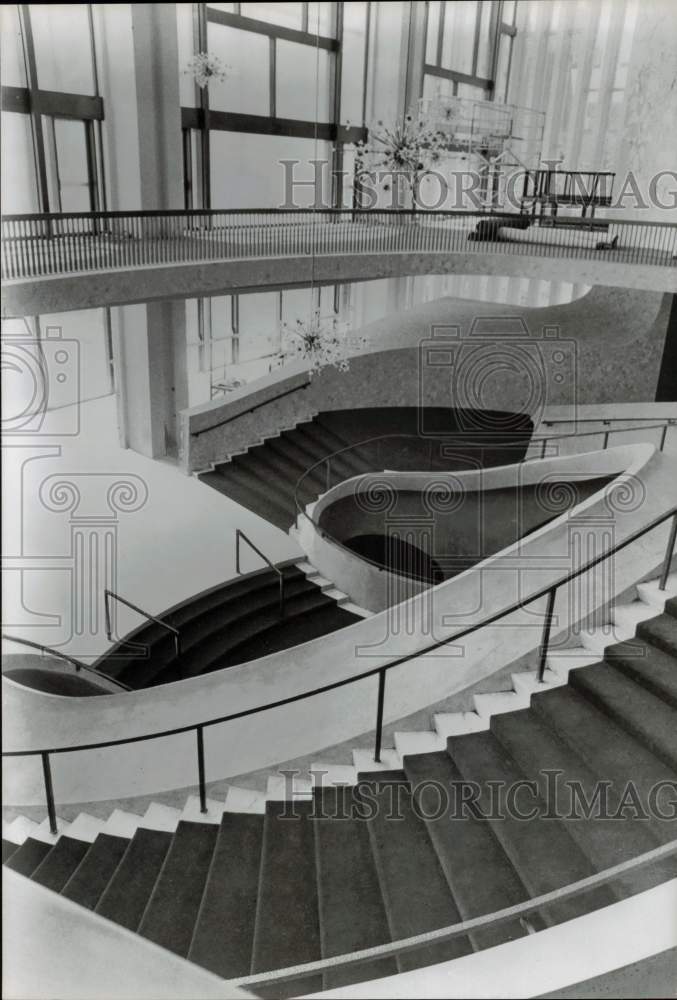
443 934
199 727
239 537
78 664
110 594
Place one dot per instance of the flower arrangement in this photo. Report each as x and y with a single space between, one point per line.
322 342
205 67
408 150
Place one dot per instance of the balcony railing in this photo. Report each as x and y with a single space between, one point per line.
38 246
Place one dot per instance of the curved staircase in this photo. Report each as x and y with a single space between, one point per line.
247 888
233 623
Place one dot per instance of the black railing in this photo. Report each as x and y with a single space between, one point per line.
109 595
381 671
241 537
78 664
82 242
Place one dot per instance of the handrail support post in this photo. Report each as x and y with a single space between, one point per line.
668 554
379 715
201 768
545 640
49 792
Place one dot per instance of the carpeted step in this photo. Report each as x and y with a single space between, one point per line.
311 624
287 928
332 442
416 894
637 710
127 894
671 607
610 752
172 910
224 931
480 875
90 878
647 665
8 849
57 867
27 857
258 488
555 767
352 915
231 486
295 463
661 632
542 853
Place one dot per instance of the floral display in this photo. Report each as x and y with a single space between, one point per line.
408 150
205 67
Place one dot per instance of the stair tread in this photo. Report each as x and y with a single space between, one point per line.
171 912
466 846
124 899
8 849
90 878
536 750
287 922
352 915
28 856
636 709
647 665
661 632
415 890
59 864
544 855
224 930
609 751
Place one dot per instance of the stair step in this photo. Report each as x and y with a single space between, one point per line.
543 854
224 930
245 800
28 856
86 827
607 749
43 831
57 867
172 910
661 632
309 570
122 824
160 817
636 710
90 878
456 723
8 849
480 876
287 922
283 789
415 891
598 639
647 665
526 682
650 593
500 701
415 743
564 660
628 616
126 896
351 911
332 774
193 813
554 767
19 829
364 761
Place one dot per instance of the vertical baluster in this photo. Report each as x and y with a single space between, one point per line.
201 769
49 792
545 640
379 715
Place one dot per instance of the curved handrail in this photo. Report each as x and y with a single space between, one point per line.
442 934
110 594
78 664
373 671
420 439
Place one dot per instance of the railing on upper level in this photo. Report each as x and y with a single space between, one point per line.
83 242
78 664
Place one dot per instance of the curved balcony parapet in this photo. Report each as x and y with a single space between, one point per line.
140 256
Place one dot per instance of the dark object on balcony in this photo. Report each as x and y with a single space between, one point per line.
544 192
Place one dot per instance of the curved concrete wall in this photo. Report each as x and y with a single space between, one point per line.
36 296
610 340
34 720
